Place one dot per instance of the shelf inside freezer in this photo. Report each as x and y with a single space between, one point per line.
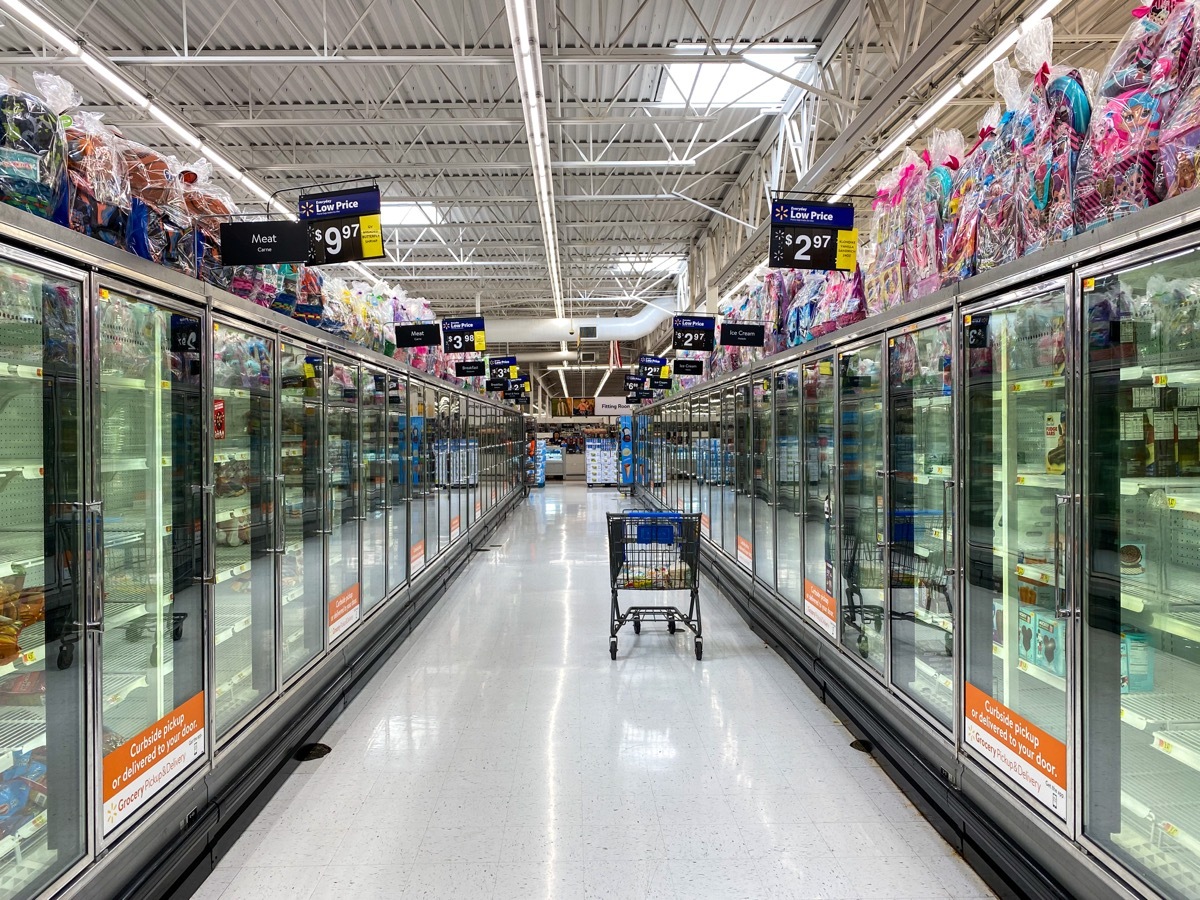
19 566
1159 711
30 470
236 393
112 466
231 508
934 672
231 456
1041 480
230 623
1182 744
937 620
117 687
226 574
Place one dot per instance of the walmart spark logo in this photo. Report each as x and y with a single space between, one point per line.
307 208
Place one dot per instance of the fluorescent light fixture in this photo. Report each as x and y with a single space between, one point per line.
222 163
255 188
173 125
42 26
416 214
631 264
563 381
703 85
114 79
600 386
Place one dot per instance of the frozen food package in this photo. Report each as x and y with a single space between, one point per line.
998 240
33 151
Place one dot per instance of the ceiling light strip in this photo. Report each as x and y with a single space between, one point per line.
527 56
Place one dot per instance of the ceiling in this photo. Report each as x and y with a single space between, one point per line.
424 97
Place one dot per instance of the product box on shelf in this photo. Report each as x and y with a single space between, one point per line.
1056 443
1027 622
1051 646
1137 661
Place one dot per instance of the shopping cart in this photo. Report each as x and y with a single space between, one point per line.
654 551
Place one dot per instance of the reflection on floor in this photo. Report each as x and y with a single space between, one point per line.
501 754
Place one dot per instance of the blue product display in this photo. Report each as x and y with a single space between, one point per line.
626 449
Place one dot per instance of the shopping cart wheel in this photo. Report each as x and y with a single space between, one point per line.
699 649
671 624
612 648
637 625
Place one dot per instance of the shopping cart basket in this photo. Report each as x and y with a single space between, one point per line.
654 551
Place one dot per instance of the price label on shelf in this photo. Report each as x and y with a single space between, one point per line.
1159 380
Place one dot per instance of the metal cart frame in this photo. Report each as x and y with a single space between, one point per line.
654 551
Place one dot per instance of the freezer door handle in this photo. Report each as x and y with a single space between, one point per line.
947 485
1062 609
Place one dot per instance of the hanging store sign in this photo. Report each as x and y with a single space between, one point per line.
651 365
514 392
263 243
346 240
427 334
339 204
472 368
502 367
635 382
689 367
496 384
693 332
660 384
813 236
463 335
523 400
734 334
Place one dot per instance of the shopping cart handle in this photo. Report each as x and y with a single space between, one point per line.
647 514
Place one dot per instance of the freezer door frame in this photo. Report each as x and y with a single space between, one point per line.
198 308
1068 826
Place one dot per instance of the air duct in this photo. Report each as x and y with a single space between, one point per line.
550 356
529 331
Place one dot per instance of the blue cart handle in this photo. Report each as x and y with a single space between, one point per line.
645 514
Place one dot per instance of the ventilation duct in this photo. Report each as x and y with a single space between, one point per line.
530 331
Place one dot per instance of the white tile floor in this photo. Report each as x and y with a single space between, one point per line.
501 754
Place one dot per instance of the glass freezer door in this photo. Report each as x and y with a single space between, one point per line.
1141 689
152 419
42 660
375 467
245 534
399 483
920 556
862 512
1016 477
820 544
302 567
343 497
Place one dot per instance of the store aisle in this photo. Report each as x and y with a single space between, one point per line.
502 754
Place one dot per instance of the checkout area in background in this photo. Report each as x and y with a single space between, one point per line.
580 449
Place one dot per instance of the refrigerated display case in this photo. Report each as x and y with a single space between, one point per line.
302 563
244 462
1141 571
42 659
998 499
151 421
179 469
374 478
861 502
920 509
1018 475
789 564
